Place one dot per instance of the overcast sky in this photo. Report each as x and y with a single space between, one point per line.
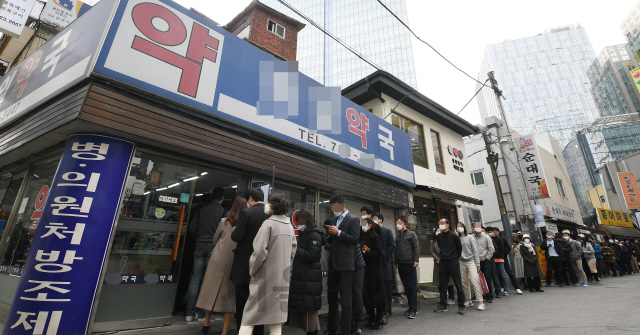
460 30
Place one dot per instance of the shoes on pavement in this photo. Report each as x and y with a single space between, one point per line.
468 303
407 312
412 315
519 291
560 285
189 318
359 332
368 324
200 319
481 306
441 308
547 285
377 325
506 294
489 301
531 290
390 314
574 284
461 310
385 320
451 302
540 290
580 284
585 285
205 329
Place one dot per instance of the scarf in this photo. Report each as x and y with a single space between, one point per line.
530 247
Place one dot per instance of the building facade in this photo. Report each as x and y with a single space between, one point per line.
543 80
365 26
443 190
612 87
631 30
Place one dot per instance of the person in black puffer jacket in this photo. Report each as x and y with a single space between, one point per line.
305 291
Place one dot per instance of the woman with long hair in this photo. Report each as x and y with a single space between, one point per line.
218 293
373 292
305 292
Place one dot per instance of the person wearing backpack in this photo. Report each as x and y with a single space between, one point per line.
507 267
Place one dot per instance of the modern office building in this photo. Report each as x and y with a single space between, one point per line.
365 26
543 80
631 30
612 87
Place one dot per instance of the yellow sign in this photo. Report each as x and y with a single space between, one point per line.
543 263
635 74
614 218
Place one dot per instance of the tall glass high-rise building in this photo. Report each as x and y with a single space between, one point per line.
544 80
365 26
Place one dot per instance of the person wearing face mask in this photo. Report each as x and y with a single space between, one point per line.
567 249
576 261
344 235
599 260
485 253
518 263
615 245
507 267
625 259
305 290
406 260
609 258
450 250
554 256
470 267
375 297
498 260
532 271
590 257
435 254
389 246
633 251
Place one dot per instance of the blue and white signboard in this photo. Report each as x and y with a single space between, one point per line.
160 47
60 280
59 64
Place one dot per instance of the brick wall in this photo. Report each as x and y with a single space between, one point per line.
284 47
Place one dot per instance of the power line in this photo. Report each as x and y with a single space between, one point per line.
465 105
429 45
329 34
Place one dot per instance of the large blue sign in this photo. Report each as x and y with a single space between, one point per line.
160 47
60 280
59 64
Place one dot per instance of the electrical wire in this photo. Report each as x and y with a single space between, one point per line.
330 35
468 102
429 45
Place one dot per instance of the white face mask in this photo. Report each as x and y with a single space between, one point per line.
337 213
302 227
376 221
566 238
610 241
398 227
460 230
363 217
365 229
442 227
526 240
491 234
549 237
477 230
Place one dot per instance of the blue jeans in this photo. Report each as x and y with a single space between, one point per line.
200 262
409 281
502 275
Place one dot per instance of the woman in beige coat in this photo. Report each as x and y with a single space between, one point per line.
273 250
218 293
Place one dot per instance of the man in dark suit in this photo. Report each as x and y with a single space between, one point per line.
249 222
389 244
344 235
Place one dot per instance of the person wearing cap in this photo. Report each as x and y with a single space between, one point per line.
554 254
532 271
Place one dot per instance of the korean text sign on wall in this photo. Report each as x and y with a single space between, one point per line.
13 16
559 212
162 48
59 284
630 189
62 12
534 178
614 218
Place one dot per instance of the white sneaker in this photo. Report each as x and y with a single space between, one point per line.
201 319
189 318
518 291
468 303
451 302
481 306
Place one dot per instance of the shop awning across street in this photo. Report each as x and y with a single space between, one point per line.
621 231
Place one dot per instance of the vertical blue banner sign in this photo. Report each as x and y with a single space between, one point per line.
60 281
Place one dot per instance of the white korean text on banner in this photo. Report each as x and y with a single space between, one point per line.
13 16
58 287
538 215
62 12
532 170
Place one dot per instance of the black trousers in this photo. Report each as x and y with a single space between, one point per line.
339 284
600 267
357 310
612 267
555 267
568 267
242 295
534 283
450 268
389 287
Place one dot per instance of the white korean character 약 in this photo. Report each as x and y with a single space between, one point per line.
86 148
40 322
42 296
56 229
125 278
63 202
48 260
162 278
77 176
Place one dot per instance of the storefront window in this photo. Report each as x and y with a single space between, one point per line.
300 197
5 209
29 209
426 223
416 132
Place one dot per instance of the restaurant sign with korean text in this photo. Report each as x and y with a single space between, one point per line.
63 272
173 53
532 170
610 217
559 212
629 189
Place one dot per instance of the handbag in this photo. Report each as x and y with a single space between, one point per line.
483 283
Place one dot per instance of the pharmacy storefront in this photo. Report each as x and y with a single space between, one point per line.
114 133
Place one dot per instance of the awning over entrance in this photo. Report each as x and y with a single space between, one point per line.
621 231
448 195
